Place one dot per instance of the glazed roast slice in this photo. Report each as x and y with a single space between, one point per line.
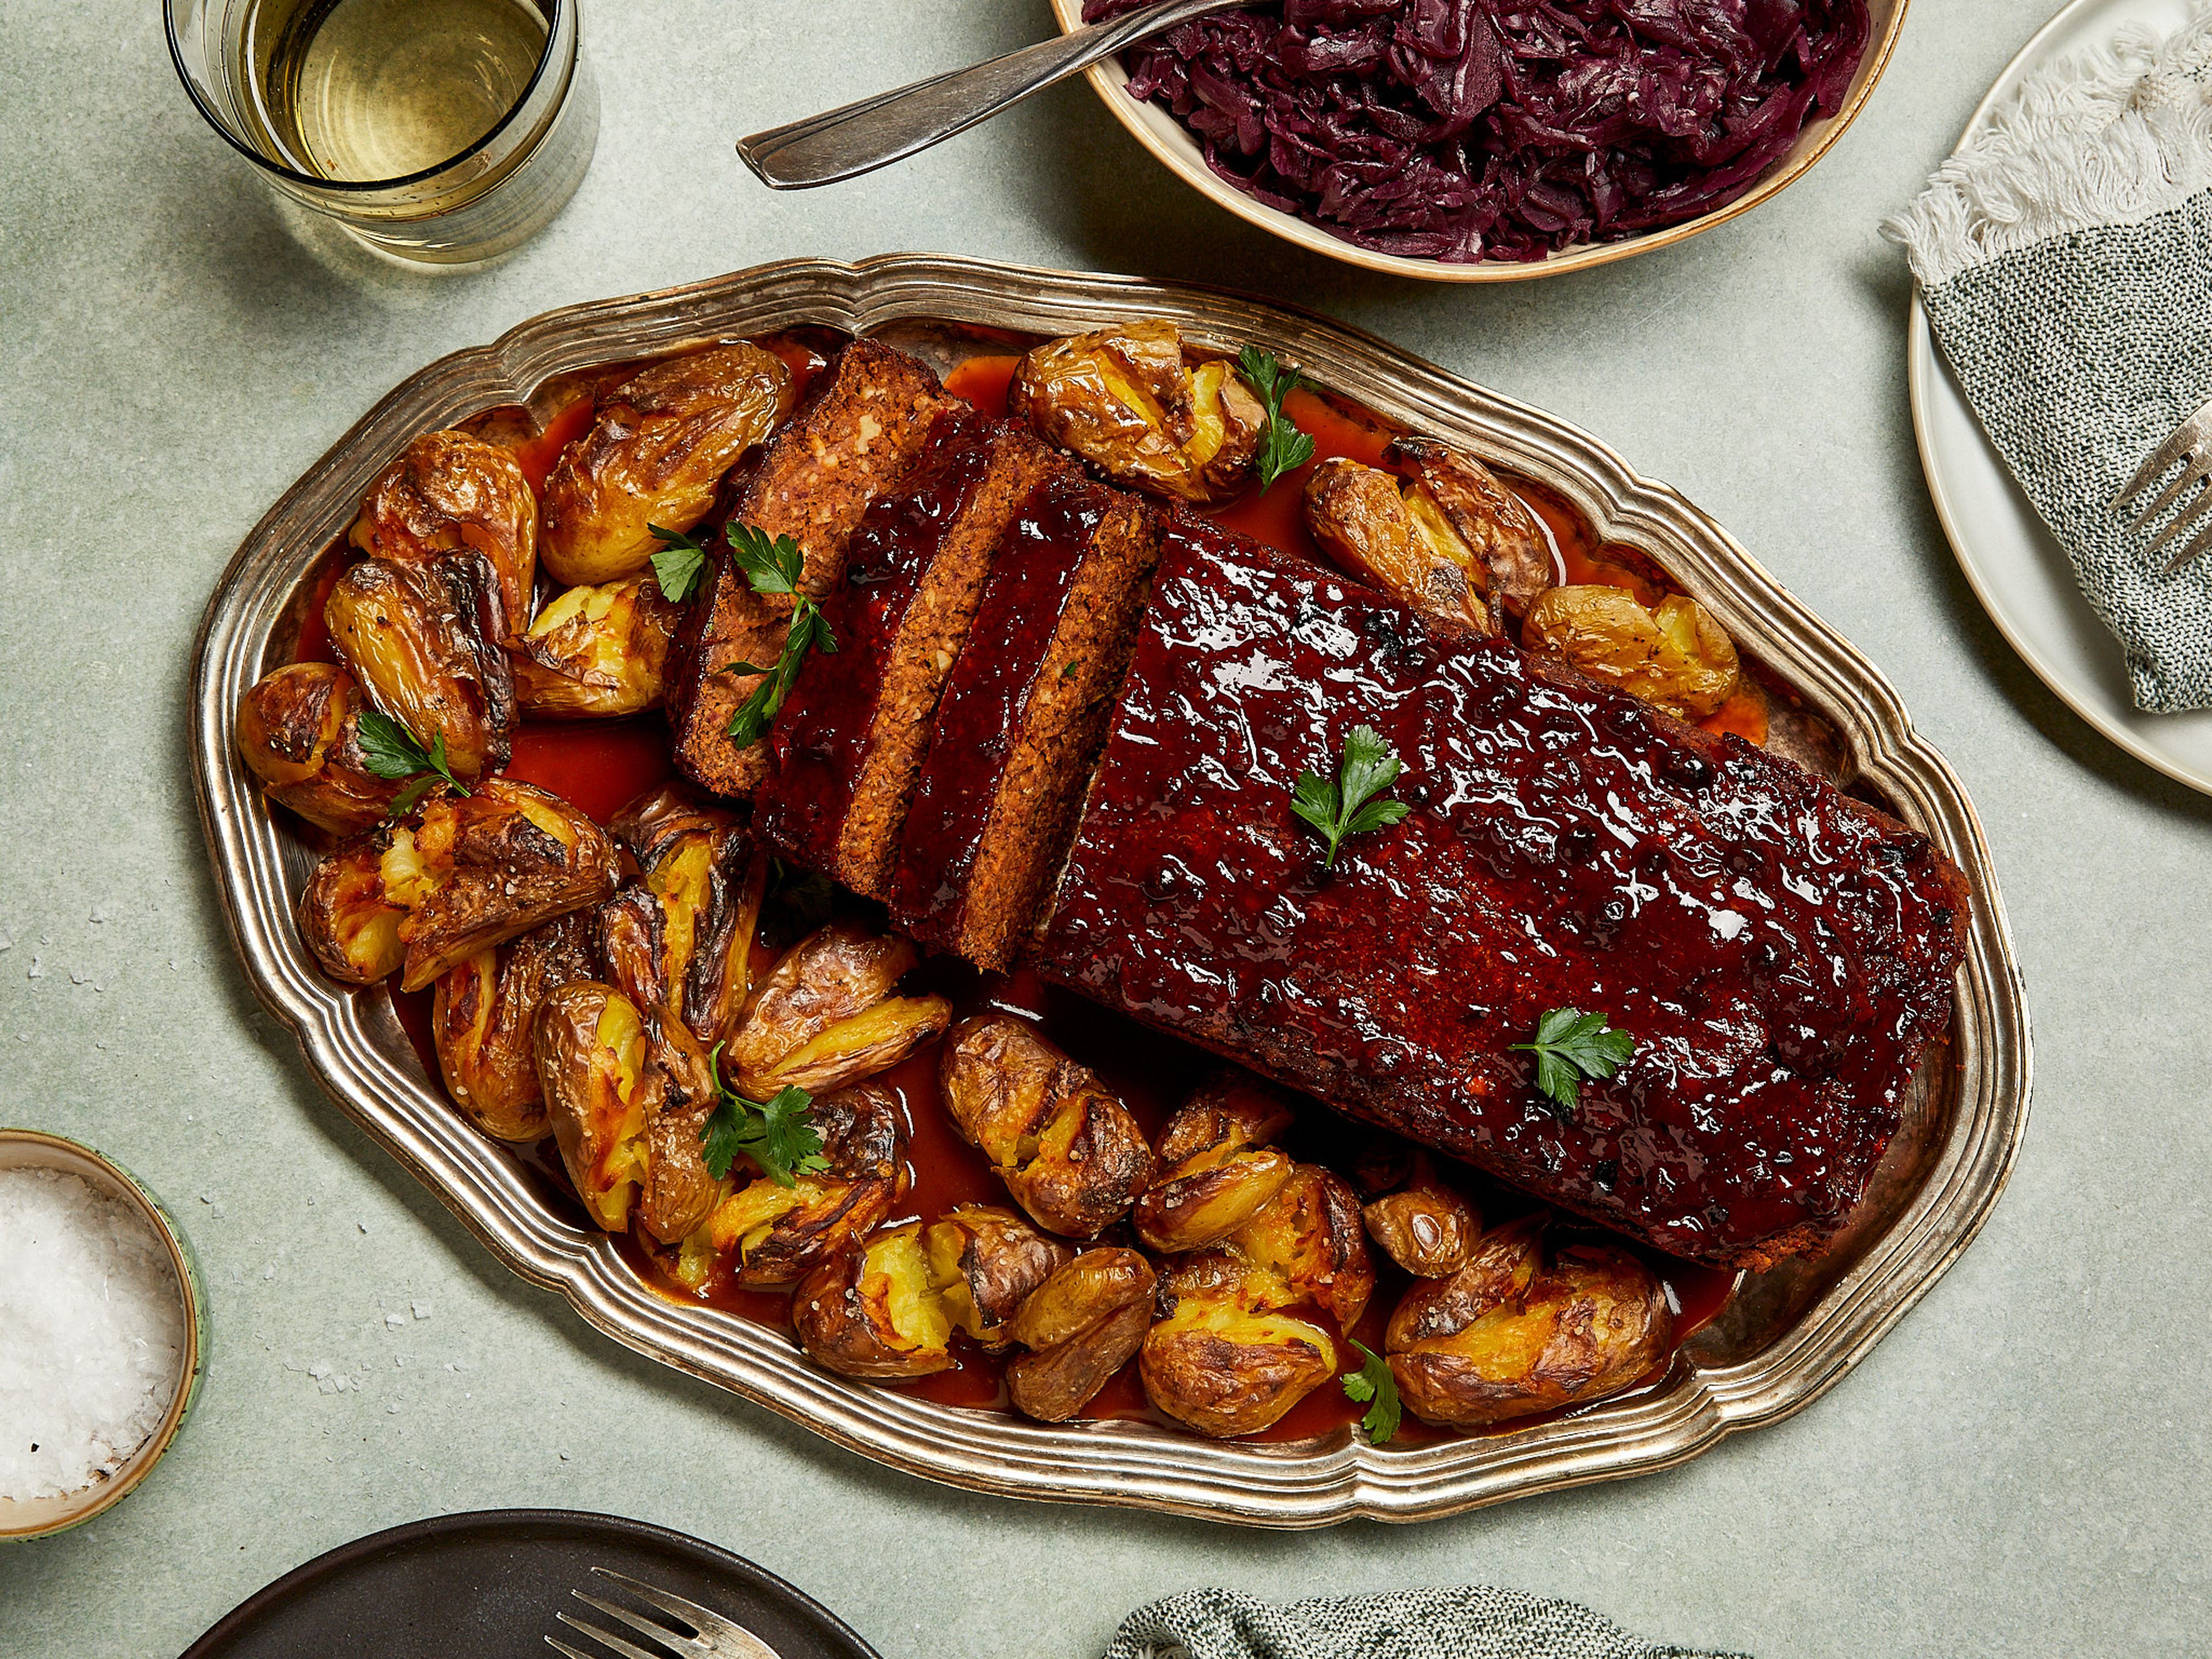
1780 953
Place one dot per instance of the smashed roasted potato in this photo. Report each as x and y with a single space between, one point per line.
709 877
346 920
826 1013
1423 1225
658 445
1510 546
450 493
1126 401
1396 538
985 1262
1065 1146
1223 1367
597 652
1675 656
875 1311
481 1024
424 642
1079 1327
1216 1169
773 1234
299 730
1525 1327
1307 1245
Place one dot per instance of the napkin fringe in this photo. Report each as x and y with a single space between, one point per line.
2114 135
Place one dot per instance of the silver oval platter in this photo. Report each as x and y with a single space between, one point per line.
1782 1339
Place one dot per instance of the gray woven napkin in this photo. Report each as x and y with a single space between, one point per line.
1474 1622
2065 258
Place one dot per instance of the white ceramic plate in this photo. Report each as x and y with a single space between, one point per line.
2018 571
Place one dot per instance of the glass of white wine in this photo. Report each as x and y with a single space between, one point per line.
443 131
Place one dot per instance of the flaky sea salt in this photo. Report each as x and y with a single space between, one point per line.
91 1333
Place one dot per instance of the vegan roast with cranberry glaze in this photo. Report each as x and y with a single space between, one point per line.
1472 839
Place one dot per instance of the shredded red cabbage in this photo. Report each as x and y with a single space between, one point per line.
1466 130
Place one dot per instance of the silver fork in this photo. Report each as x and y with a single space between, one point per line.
2189 448
710 1636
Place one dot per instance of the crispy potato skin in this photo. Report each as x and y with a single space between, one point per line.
424 641
346 921
597 652
1507 538
299 730
1675 657
1079 1327
1125 401
1309 1245
826 1014
1364 524
450 493
987 1261
710 876
777 1234
1223 1369
588 1042
475 872
654 454
1065 1146
871 1313
1522 1329
1425 1226
481 1023
1216 1170
676 1088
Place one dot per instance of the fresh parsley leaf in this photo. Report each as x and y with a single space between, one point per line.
1348 804
1570 1046
777 1133
1373 1383
390 750
1067 669
676 566
774 567
1282 447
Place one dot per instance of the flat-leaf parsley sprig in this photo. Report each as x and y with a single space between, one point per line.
774 567
391 751
676 566
777 1133
1345 805
1373 1383
1570 1046
1282 447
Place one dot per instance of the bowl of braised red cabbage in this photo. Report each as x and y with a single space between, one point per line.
1494 140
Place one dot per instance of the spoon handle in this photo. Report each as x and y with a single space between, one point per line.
859 137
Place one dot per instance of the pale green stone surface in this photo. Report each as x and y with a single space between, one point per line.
2020 1467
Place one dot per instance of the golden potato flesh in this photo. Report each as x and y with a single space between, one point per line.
1067 1147
826 1014
298 729
596 651
873 1312
1079 1327
477 869
423 641
1424 1227
985 1261
481 1023
1223 1369
1675 657
588 1042
1307 1245
1510 547
775 1234
1216 1171
1590 1322
346 920
656 449
1396 539
1125 400
709 876
449 493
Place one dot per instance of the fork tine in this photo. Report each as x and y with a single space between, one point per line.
2196 549
2185 522
2174 450
562 1647
639 1622
2199 468
706 1623
628 1649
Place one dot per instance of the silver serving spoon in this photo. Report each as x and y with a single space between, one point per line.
844 143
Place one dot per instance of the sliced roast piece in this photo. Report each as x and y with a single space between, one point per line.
850 741
1020 720
1782 955
865 419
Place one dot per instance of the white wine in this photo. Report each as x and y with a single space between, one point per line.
360 91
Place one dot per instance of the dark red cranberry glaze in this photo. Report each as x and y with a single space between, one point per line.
821 736
979 717
1780 953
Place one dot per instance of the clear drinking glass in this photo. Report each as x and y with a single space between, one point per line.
318 95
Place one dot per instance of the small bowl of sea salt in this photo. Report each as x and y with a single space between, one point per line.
101 1333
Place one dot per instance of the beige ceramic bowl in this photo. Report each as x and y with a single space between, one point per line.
1160 133
38 1517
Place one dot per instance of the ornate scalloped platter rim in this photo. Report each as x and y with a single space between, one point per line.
361 1058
